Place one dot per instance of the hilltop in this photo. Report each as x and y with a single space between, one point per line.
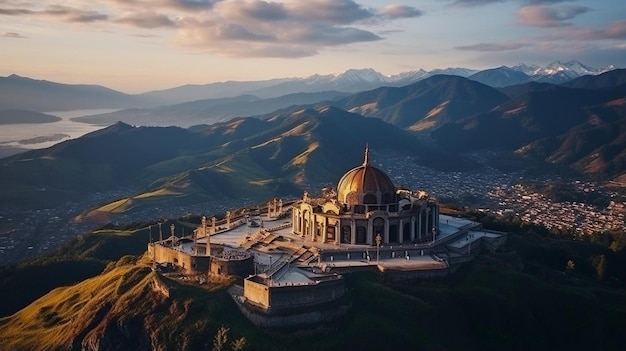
497 300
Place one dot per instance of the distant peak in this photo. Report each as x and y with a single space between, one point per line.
15 76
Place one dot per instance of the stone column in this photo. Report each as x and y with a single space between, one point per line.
353 234
227 219
204 230
426 218
401 230
419 226
312 225
280 207
386 229
338 232
213 220
412 228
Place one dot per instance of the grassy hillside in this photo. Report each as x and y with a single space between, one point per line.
484 306
84 257
496 302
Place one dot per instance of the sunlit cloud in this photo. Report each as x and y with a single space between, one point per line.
399 11
61 12
277 29
540 16
490 47
146 20
476 3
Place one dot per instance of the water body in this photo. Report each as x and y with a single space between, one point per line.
42 135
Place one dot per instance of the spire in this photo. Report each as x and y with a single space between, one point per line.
366 161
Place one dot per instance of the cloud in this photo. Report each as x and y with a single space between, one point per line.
399 11
613 31
11 35
329 11
249 28
65 13
330 35
540 16
146 20
476 3
472 3
490 47
257 10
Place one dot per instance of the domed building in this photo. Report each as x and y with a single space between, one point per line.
366 204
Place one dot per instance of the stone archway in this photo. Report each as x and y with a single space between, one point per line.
406 232
378 225
393 233
346 234
361 235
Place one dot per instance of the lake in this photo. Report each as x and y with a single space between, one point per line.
41 135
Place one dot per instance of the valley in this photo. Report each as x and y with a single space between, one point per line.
28 234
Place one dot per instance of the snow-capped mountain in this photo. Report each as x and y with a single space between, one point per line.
354 80
559 72
556 72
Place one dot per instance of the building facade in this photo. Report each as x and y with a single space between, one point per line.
366 208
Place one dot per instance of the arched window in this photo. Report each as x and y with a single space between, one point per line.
361 235
406 231
387 199
346 234
379 226
393 233
369 199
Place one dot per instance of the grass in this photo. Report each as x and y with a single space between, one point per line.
481 307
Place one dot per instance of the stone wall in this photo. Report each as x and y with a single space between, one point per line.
189 263
284 297
241 268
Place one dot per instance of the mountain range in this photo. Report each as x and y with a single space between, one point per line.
24 93
432 121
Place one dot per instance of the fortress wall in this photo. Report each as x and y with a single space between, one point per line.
256 293
277 298
293 319
241 268
189 263
285 297
491 244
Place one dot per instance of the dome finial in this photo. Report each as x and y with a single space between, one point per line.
366 161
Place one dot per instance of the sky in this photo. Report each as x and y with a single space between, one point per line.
141 45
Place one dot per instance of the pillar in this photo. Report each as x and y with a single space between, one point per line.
426 218
419 225
353 230
386 229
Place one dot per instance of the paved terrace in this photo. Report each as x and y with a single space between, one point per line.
278 254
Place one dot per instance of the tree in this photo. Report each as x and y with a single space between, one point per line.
221 341
599 263
570 266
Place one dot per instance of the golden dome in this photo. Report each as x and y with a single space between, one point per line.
366 184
